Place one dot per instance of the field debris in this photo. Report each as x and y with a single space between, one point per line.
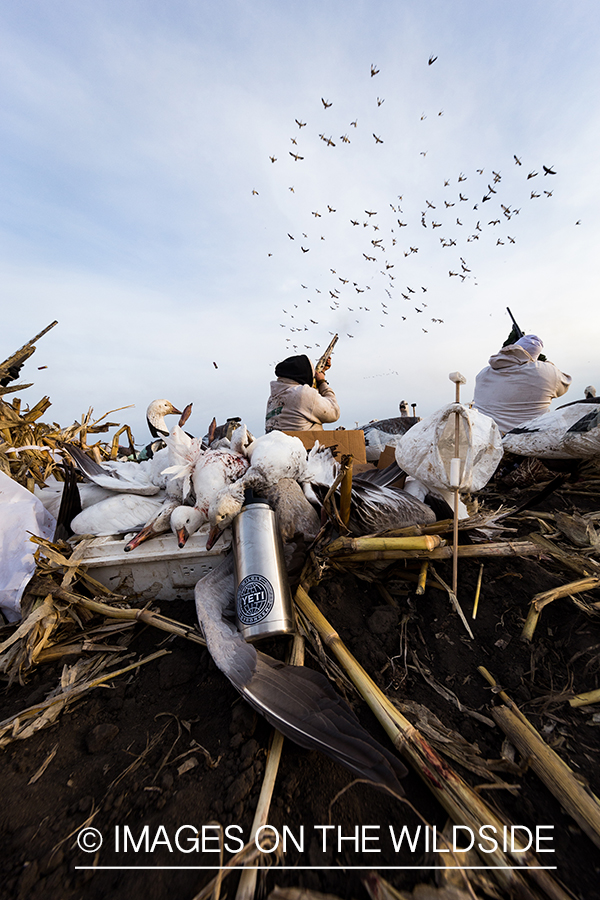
374 615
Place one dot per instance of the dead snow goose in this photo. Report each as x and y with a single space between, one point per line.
294 512
215 470
127 477
117 514
155 417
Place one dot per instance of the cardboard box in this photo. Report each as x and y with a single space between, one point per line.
157 569
387 457
346 441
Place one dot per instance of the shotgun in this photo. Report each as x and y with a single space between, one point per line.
322 361
520 333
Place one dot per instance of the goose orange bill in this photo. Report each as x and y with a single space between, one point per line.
213 537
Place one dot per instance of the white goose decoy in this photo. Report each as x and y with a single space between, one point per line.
571 432
299 702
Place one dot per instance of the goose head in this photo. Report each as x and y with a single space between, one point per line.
223 509
155 416
185 521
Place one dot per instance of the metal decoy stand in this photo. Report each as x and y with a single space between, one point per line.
455 473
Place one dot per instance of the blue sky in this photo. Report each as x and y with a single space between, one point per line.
133 135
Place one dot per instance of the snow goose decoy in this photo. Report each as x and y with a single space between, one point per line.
571 431
297 701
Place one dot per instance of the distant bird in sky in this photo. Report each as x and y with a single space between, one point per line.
548 170
380 101
379 141
300 124
374 71
273 159
295 155
325 103
431 60
531 175
517 160
215 365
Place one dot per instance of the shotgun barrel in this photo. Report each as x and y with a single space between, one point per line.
520 333
322 361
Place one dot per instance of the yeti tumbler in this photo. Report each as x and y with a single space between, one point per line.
263 602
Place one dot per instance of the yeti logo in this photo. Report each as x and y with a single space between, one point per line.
254 600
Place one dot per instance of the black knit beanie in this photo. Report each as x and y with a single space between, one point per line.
297 368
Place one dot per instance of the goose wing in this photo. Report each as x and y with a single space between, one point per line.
117 514
299 702
127 477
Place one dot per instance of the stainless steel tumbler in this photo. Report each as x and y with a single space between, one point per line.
263 602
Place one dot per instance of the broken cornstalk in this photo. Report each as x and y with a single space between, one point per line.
460 801
541 600
580 803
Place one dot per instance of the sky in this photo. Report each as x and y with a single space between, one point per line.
142 210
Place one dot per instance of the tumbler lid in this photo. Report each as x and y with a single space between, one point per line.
251 498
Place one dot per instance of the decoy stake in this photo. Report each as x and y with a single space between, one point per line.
458 379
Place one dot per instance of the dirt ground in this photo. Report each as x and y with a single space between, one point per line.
127 756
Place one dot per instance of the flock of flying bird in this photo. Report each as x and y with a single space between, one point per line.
379 283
